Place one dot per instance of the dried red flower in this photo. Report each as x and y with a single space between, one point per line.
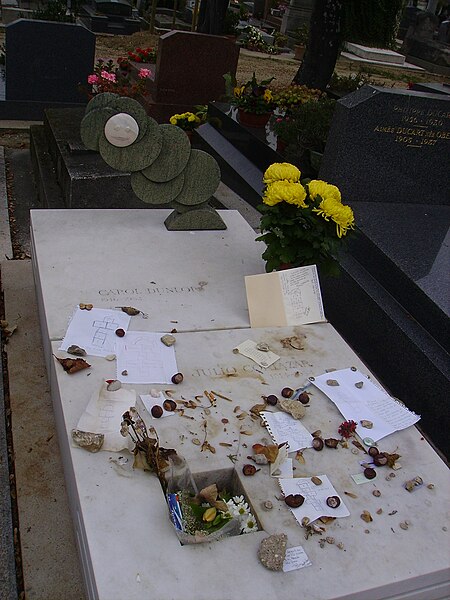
347 429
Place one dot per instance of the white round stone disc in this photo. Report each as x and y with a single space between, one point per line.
121 130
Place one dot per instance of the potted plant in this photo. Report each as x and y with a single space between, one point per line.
107 77
301 36
187 121
303 222
254 102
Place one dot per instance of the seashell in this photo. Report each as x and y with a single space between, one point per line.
262 347
76 350
359 384
366 424
87 440
404 525
268 505
332 382
168 340
114 386
154 393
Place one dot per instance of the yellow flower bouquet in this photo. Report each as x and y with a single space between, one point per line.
187 121
254 96
303 222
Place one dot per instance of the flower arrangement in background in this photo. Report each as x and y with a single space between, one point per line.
302 223
254 97
187 121
253 40
143 55
108 78
293 95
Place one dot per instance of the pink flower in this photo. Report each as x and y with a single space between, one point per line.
108 76
93 79
144 73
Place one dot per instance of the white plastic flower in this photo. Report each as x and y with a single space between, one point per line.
250 524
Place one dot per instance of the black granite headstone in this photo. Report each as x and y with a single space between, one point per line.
120 8
47 61
389 145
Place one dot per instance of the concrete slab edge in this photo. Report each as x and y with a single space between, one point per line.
6 250
8 581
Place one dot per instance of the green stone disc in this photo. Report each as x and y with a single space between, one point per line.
201 179
156 193
196 219
173 157
136 157
93 125
101 101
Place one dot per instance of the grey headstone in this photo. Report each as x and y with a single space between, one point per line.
47 61
390 145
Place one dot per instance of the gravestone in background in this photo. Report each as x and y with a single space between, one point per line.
388 151
390 145
47 61
190 67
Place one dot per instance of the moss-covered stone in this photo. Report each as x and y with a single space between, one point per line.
196 219
174 155
101 101
202 178
156 193
93 125
136 157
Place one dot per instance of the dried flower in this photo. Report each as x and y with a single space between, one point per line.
347 429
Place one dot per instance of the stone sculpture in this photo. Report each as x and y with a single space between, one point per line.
165 170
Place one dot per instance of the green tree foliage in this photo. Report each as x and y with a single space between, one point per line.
372 22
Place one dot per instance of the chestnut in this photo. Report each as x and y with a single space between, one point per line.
287 392
169 405
249 470
317 443
272 400
373 451
294 500
333 501
177 378
370 473
120 332
304 398
157 411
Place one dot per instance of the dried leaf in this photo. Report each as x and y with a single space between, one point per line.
129 310
366 516
207 446
392 459
257 408
225 445
209 493
299 456
72 365
271 452
359 445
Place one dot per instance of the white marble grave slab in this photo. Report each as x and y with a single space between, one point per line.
129 549
187 280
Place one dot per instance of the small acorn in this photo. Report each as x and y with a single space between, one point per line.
120 332
157 411
333 501
177 378
294 500
272 400
373 451
287 392
370 473
317 443
169 405
249 470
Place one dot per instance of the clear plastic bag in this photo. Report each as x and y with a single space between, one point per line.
179 478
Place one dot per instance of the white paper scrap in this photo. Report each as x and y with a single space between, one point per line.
103 415
145 358
263 359
296 558
284 428
150 401
366 402
315 504
94 330
284 469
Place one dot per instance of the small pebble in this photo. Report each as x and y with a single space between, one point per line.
268 505
196 441
330 540
154 393
355 451
124 372
114 386
404 525
444 528
379 511
376 493
168 340
366 531
430 486
110 357
340 545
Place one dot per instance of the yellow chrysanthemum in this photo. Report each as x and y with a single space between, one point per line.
280 171
285 191
340 213
173 119
321 188
268 96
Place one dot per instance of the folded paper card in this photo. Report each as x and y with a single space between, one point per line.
284 428
290 297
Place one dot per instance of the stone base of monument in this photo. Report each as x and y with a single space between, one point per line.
119 512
